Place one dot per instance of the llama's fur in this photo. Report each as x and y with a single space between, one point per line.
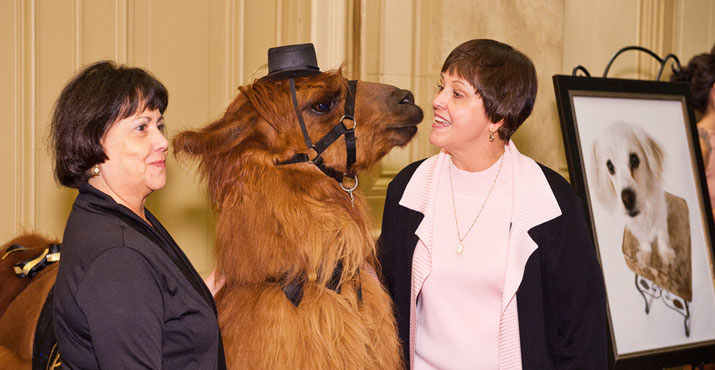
292 222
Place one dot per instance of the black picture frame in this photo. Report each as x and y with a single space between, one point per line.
619 135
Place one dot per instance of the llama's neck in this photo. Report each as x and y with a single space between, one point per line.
291 227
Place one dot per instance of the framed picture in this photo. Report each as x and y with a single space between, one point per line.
634 157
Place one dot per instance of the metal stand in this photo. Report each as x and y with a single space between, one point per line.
661 61
651 291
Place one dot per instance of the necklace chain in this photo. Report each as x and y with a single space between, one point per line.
460 245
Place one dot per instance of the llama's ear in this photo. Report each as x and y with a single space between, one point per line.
269 101
220 135
605 191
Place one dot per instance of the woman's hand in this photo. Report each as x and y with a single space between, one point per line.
214 282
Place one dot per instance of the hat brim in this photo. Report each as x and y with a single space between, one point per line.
292 73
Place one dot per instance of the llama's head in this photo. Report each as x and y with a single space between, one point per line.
261 125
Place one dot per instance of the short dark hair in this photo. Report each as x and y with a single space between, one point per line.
700 74
504 77
97 97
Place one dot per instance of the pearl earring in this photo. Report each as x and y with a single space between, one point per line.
491 136
95 170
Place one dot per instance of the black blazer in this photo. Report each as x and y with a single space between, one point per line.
561 300
126 296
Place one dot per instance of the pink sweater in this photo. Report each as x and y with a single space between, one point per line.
459 307
533 203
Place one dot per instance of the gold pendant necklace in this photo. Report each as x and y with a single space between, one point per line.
460 242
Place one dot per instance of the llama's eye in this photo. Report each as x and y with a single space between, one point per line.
634 161
323 107
611 169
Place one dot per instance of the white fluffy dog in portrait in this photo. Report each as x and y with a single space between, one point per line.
628 169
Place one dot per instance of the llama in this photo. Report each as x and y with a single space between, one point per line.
293 245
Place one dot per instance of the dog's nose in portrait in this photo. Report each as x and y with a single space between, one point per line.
628 196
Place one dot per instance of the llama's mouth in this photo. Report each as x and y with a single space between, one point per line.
405 129
633 212
402 125
402 133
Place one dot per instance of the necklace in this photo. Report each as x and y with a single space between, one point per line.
460 238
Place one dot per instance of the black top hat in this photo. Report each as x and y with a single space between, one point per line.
292 61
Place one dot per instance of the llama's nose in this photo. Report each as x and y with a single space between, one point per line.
629 198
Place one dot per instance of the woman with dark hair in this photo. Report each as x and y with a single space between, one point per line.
486 253
126 296
700 74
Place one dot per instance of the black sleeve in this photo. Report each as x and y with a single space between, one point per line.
395 248
578 286
122 302
386 242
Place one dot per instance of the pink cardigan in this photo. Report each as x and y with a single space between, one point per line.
533 204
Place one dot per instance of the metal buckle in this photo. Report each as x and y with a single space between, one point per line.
350 190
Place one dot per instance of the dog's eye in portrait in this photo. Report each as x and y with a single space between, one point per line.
634 161
610 167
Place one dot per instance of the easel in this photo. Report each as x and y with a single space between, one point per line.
649 290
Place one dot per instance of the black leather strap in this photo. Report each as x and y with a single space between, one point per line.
330 137
306 137
293 289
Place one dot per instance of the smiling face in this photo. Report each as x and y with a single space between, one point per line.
136 148
460 125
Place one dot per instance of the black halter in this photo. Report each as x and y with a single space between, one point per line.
293 290
329 138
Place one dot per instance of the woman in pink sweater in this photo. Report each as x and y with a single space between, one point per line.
486 253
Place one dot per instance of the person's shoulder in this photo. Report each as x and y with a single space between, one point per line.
562 190
406 173
91 234
91 229
555 179
400 181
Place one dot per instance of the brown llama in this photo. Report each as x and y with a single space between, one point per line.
21 300
283 228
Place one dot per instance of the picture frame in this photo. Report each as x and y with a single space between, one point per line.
634 157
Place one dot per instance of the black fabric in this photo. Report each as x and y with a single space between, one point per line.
561 300
395 249
293 289
126 296
44 346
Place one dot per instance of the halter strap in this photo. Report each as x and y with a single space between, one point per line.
330 137
306 137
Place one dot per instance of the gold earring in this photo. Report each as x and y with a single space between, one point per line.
95 170
491 136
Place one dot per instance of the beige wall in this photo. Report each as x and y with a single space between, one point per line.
203 50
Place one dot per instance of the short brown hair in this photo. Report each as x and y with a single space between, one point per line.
700 74
504 77
97 97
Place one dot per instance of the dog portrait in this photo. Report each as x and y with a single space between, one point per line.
628 171
633 157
